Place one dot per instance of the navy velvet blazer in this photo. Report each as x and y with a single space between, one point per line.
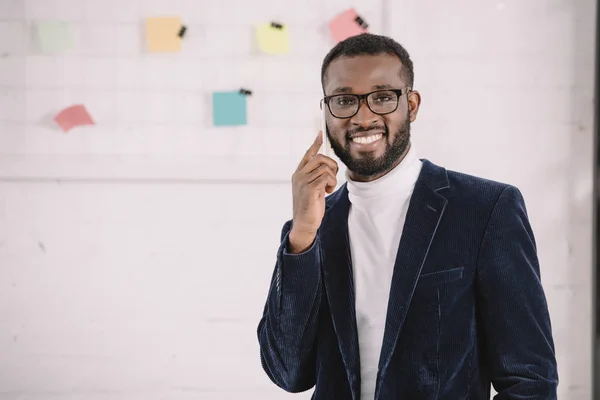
466 306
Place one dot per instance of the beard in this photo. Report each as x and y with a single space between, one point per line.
370 166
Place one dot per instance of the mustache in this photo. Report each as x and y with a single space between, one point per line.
361 129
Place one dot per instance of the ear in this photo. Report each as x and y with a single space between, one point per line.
414 101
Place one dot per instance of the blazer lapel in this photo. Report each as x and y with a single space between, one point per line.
339 283
425 211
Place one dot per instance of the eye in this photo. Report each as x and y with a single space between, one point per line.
382 98
344 101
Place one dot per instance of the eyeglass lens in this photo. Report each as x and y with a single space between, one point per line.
346 105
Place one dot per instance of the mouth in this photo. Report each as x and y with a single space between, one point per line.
367 141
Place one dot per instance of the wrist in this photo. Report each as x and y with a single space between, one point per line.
299 241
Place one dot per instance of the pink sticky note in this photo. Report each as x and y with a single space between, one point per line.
346 24
73 116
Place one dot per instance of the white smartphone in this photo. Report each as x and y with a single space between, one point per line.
325 146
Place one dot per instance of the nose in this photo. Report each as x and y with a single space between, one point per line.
364 116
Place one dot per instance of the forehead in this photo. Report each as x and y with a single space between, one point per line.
361 74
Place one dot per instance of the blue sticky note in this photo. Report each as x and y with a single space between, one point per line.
229 108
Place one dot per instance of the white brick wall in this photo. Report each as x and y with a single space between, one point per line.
152 289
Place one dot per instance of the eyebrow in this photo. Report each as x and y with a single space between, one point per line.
380 87
345 89
348 89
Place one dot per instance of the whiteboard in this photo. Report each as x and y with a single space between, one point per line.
153 111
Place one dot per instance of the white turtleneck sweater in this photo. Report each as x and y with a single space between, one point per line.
377 214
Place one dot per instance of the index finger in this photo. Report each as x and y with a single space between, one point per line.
312 150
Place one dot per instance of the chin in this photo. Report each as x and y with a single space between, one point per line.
372 155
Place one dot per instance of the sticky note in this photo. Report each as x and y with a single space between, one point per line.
55 36
229 108
273 38
163 34
345 25
73 116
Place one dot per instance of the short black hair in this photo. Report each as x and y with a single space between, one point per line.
370 44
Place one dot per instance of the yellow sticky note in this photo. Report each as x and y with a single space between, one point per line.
273 38
162 34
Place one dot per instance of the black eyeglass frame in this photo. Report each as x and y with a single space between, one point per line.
399 93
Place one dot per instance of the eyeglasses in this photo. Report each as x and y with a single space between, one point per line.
380 102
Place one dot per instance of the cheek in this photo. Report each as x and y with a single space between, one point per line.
337 128
394 123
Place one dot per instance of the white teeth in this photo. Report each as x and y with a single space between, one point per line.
367 139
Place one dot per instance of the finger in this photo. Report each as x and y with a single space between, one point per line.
324 183
331 185
318 171
312 150
321 159
322 178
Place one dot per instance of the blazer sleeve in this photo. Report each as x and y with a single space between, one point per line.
287 330
512 307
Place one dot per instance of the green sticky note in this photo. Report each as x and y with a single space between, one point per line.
55 36
229 108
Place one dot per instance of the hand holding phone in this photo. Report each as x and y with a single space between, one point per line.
314 179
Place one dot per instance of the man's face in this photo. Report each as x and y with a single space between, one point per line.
369 144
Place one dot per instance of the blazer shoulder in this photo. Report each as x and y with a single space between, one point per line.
476 188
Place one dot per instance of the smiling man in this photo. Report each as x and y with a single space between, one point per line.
410 281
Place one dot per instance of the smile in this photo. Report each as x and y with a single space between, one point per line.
367 139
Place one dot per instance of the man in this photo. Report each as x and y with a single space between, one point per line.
410 281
